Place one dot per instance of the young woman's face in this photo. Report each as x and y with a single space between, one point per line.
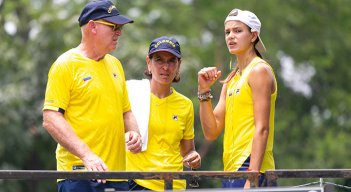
238 37
164 66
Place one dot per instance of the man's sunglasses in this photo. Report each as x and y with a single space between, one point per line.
115 27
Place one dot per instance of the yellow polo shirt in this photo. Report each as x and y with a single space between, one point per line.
171 120
93 96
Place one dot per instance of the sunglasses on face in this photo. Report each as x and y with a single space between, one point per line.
115 27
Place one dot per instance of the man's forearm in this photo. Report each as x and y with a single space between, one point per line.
130 123
63 133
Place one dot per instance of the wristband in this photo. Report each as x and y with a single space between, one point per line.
204 96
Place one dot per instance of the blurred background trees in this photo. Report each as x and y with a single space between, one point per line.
308 45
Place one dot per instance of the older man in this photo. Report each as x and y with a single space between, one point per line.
86 107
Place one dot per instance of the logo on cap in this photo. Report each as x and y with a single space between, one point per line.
111 8
165 41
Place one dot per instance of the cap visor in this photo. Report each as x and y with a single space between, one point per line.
120 20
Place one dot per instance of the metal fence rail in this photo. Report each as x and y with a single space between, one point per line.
168 177
274 175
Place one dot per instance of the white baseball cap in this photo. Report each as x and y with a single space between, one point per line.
251 20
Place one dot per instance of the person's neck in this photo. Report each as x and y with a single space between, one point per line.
89 52
243 60
160 91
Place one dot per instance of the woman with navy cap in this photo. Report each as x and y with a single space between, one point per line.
170 127
245 110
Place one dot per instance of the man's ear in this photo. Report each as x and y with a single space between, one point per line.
92 26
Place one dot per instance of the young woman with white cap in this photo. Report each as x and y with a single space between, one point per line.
247 102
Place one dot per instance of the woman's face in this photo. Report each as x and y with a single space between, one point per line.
163 66
238 37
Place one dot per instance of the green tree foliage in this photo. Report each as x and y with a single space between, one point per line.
311 130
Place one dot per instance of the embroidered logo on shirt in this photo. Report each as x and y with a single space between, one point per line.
85 79
237 91
175 117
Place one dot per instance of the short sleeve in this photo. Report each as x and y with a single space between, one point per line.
189 129
57 93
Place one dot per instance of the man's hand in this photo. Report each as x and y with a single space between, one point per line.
94 163
133 141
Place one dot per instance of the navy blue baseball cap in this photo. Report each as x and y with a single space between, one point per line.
103 9
164 43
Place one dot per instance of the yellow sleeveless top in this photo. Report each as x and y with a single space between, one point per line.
239 122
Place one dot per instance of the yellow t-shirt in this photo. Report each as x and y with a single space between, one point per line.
93 96
240 125
171 120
